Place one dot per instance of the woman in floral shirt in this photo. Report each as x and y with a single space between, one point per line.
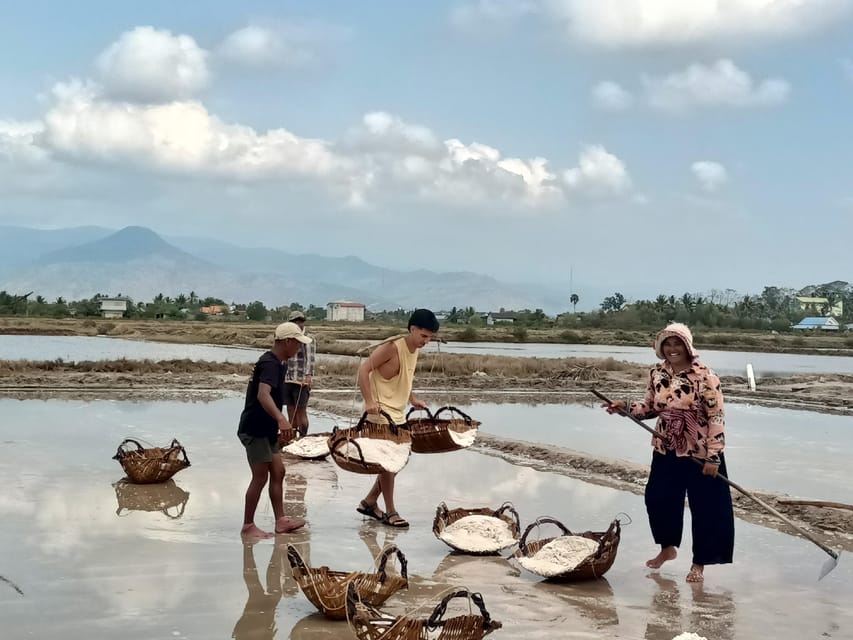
684 395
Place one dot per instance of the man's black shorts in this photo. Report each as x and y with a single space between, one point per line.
295 394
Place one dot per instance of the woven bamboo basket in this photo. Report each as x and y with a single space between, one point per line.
168 498
325 435
365 429
433 433
327 589
149 466
370 624
594 566
445 517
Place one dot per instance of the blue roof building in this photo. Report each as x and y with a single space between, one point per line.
824 324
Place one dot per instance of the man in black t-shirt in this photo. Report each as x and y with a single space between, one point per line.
260 424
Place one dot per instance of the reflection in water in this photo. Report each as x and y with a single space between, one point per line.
317 625
258 619
709 614
456 567
294 507
593 599
167 498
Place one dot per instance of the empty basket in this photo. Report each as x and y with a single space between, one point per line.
148 466
327 589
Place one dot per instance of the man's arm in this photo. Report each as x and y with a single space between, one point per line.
416 402
380 356
265 398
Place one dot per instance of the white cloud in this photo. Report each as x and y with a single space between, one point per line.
150 65
476 15
639 23
611 96
599 174
383 131
711 175
719 84
178 136
261 46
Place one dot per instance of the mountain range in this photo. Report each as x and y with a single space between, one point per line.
79 262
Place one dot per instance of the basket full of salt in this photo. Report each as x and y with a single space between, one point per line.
478 531
368 623
435 434
371 448
313 447
569 556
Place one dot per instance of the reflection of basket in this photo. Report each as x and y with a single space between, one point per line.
370 624
364 429
147 466
445 517
325 436
327 589
435 435
594 566
160 497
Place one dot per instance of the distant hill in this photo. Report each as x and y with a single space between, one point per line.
137 262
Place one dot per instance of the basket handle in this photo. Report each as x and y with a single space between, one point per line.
413 409
543 520
177 445
336 442
465 416
441 511
120 452
613 531
295 560
387 552
435 619
507 507
394 427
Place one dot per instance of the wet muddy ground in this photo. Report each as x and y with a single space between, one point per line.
94 560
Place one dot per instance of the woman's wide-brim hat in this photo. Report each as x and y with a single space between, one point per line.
677 330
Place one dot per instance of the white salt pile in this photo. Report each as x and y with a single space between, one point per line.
689 635
559 556
309 447
464 438
480 534
391 456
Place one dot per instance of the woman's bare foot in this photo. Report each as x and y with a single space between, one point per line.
666 554
286 525
251 532
696 573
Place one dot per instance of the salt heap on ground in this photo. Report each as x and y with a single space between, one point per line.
559 556
480 534
309 447
391 456
689 635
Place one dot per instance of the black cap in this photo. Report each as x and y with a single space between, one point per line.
423 319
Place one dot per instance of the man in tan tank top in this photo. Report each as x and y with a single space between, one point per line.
385 380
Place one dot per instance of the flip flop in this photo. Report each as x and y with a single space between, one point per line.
369 510
399 523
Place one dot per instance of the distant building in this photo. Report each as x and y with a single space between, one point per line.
810 324
501 317
113 307
345 311
821 305
216 309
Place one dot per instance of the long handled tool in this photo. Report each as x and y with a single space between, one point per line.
828 566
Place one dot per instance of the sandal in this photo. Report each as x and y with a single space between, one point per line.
369 510
695 576
393 519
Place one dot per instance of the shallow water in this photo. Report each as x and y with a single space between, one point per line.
87 571
800 453
725 363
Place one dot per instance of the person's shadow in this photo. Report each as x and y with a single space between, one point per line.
258 619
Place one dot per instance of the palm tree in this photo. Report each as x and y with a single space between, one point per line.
574 299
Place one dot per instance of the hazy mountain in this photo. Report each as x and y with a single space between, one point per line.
21 245
137 262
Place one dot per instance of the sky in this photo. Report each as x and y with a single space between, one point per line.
641 145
